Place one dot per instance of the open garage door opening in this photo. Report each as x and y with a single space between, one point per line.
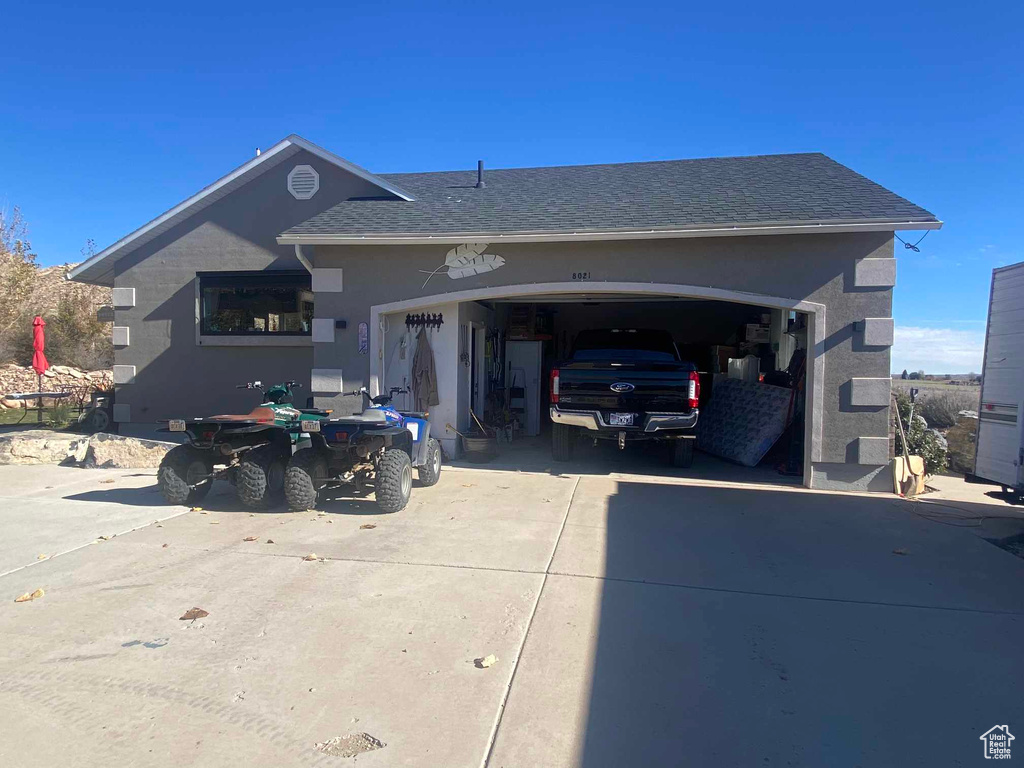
604 383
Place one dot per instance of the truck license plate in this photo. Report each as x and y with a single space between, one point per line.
176 425
621 419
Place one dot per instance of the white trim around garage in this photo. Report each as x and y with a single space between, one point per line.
815 385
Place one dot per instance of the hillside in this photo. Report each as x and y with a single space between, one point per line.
74 335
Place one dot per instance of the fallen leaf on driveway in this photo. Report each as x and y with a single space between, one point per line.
165 546
194 613
106 538
270 541
366 526
107 481
215 522
27 597
41 557
487 661
310 557
469 485
901 551
350 745
250 538
195 509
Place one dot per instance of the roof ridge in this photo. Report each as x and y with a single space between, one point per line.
614 165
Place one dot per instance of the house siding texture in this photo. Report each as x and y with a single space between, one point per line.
176 377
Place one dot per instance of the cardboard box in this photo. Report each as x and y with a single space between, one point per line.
759 334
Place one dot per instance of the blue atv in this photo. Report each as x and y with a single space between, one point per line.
378 447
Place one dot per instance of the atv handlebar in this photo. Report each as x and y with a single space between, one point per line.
382 399
259 385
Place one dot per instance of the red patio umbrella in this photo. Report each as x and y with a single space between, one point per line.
39 362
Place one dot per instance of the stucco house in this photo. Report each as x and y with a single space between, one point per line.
301 265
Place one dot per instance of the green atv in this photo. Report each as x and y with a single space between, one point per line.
251 451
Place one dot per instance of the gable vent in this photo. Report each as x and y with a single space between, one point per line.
303 182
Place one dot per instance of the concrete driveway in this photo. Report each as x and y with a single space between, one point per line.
636 621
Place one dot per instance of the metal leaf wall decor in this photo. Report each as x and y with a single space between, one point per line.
465 260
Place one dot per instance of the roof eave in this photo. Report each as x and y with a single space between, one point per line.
723 230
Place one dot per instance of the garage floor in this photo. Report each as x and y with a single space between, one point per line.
635 622
533 454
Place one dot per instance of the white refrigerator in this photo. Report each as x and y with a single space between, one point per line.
523 364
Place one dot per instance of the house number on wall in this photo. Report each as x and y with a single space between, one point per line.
580 275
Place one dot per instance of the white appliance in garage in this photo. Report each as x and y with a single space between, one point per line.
523 364
1000 446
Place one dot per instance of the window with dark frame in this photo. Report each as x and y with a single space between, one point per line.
255 303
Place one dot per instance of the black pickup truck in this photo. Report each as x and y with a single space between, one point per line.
625 385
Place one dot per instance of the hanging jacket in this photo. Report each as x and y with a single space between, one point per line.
424 376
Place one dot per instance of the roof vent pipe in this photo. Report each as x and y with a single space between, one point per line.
480 174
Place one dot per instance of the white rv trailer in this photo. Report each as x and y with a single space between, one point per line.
999 450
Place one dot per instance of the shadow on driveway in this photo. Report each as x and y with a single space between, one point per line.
743 627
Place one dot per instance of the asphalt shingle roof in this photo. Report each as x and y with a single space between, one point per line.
745 191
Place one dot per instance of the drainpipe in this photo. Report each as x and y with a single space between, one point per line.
302 259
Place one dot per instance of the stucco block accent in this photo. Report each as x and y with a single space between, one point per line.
873 451
119 335
122 413
879 331
326 381
870 392
323 330
327 280
123 298
124 374
874 273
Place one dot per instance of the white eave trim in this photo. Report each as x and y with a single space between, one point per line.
181 208
615 234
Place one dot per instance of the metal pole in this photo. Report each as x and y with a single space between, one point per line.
39 412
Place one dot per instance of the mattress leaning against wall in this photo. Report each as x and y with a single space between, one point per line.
743 419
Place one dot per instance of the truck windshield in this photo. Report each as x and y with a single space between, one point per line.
628 344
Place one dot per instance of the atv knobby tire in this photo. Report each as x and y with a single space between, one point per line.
393 482
260 481
563 439
305 476
184 475
430 472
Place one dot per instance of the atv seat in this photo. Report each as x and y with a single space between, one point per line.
256 414
369 416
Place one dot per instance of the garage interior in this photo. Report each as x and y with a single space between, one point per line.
751 359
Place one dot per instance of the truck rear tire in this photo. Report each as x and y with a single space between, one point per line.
184 475
260 481
430 472
305 476
393 482
563 440
682 453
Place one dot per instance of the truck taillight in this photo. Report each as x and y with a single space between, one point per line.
554 385
693 396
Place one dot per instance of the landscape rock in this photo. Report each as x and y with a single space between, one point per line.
40 447
100 450
114 451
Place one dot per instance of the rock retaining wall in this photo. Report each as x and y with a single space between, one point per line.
60 378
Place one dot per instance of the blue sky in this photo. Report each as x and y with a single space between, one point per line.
111 114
